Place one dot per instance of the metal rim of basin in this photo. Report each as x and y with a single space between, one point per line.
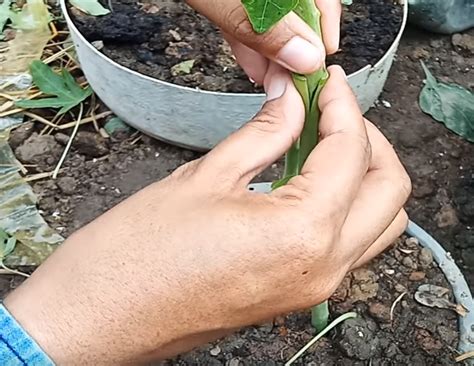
185 116
446 264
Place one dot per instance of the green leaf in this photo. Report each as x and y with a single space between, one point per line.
264 14
184 67
450 104
67 93
5 13
91 7
7 244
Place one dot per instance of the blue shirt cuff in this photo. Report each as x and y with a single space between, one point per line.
16 346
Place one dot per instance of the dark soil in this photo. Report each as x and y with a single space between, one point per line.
152 37
99 173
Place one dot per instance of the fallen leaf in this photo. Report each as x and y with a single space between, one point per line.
91 7
184 67
33 239
437 297
32 34
450 104
67 92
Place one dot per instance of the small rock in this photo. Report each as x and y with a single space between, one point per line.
90 144
358 339
400 288
67 185
215 351
62 138
409 263
364 285
179 50
463 43
427 341
446 217
412 242
36 149
425 257
233 362
380 311
417 276
20 134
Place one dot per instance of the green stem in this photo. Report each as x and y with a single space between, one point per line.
320 316
309 87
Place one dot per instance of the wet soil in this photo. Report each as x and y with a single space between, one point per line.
153 37
100 172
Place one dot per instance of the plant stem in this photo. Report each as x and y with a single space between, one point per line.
309 87
320 316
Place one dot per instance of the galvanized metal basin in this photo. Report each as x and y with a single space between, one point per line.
187 117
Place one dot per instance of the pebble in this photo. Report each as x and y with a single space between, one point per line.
20 134
425 257
400 288
90 144
37 148
215 351
417 276
379 311
62 138
446 217
233 362
463 42
409 263
67 185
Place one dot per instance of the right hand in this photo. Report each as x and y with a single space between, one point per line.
291 43
196 255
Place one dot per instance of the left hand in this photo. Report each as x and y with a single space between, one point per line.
291 43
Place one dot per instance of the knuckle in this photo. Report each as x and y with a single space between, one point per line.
269 120
239 24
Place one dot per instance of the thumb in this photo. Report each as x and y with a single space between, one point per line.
291 43
263 140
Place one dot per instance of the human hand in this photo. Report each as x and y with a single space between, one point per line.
291 43
196 255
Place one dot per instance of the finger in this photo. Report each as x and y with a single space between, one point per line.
334 171
291 43
396 228
254 64
265 138
331 11
383 193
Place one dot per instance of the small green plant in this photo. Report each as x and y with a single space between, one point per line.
263 15
67 93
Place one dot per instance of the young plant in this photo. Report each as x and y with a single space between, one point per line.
263 15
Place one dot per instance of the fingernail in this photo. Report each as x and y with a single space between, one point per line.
299 55
277 86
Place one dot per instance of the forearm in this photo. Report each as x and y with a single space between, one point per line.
87 309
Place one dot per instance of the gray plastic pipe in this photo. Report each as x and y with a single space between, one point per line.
447 265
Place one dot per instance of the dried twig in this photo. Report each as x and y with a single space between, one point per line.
465 356
6 270
69 143
84 121
39 119
397 300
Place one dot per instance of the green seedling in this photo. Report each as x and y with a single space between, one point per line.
263 15
65 92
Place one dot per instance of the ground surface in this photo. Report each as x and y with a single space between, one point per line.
153 36
101 173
